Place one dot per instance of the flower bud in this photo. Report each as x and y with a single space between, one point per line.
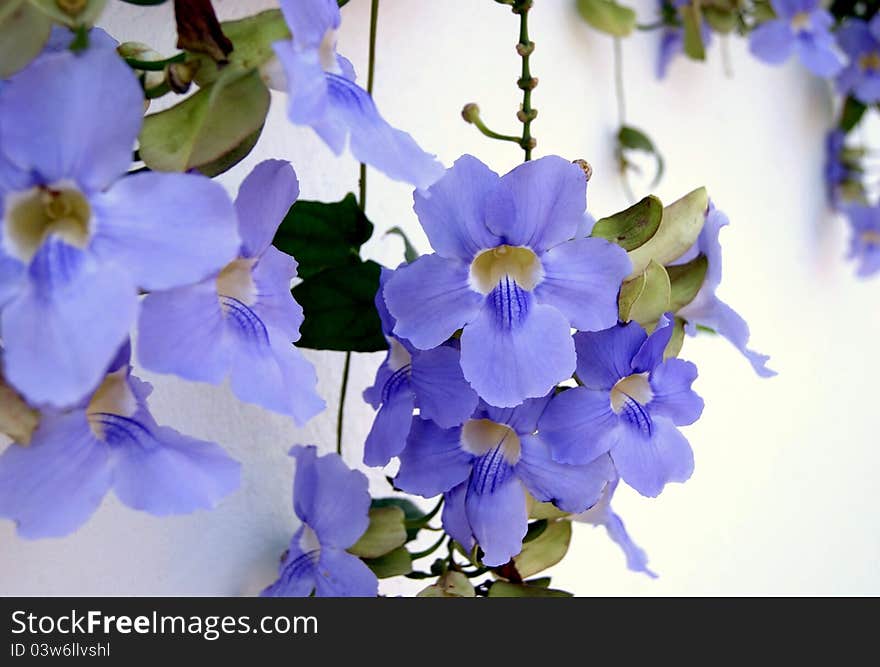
470 112
180 76
585 166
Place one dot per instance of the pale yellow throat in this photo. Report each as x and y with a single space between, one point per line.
481 436
870 61
237 282
800 21
491 266
636 387
33 215
113 397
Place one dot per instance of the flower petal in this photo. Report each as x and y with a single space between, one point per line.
651 352
431 299
330 498
516 348
581 280
647 464
572 488
11 274
373 141
673 397
772 42
455 210
818 57
297 574
183 331
306 85
454 517
275 305
65 326
341 575
53 486
433 461
604 357
496 510
442 393
166 230
578 425
549 197
387 436
72 116
309 21
264 198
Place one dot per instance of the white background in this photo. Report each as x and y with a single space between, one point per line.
784 496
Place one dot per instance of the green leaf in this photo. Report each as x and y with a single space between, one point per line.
692 18
685 281
608 16
535 530
252 38
208 127
24 31
411 512
851 114
393 564
504 589
539 510
410 254
647 297
632 227
450 585
340 312
679 228
85 16
631 138
384 534
673 347
323 236
545 550
723 20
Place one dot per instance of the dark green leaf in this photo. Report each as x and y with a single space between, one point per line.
536 528
323 236
685 281
340 312
851 114
393 564
410 254
608 16
504 589
633 227
631 138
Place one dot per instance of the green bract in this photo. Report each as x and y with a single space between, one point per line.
450 585
681 225
646 297
385 533
210 130
632 227
608 16
545 550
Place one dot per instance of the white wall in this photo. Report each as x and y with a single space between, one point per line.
784 498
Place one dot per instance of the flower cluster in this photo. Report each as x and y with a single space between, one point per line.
840 44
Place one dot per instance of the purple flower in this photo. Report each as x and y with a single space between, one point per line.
706 309
485 468
79 238
408 378
333 504
108 441
864 246
323 95
507 272
836 171
629 406
861 43
240 322
802 26
601 514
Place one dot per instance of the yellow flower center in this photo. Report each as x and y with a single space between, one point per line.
492 265
870 61
636 387
871 236
236 281
113 397
800 21
481 436
33 215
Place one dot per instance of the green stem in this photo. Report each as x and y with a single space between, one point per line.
526 82
362 202
484 129
431 549
154 65
422 521
621 111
